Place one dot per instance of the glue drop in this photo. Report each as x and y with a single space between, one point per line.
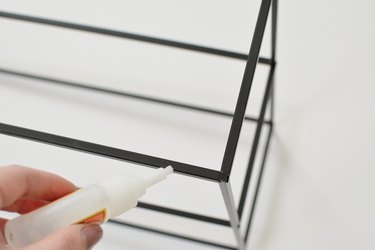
95 203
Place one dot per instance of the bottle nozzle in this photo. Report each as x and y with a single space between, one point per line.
157 176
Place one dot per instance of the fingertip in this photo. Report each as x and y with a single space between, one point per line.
91 233
73 237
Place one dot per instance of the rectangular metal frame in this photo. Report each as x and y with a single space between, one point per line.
238 117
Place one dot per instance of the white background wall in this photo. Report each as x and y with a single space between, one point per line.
318 186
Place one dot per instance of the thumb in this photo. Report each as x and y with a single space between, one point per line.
74 237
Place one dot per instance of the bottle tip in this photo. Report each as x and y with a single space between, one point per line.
168 170
158 175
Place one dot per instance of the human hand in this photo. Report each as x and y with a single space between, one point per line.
25 189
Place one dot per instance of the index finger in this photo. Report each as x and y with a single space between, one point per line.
20 182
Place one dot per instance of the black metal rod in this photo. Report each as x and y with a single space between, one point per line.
272 103
172 234
254 147
151 161
243 96
184 214
255 198
110 152
273 53
274 30
127 35
120 93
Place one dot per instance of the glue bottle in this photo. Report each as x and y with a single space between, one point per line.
95 203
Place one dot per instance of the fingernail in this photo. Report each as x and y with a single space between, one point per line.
92 233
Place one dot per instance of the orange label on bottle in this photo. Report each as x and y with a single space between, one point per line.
98 217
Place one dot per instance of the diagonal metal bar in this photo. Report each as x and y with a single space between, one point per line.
122 223
243 96
184 214
120 93
110 152
127 35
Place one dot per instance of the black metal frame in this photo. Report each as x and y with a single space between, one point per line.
238 117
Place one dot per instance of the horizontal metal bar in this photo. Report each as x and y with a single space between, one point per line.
184 214
110 152
264 60
127 35
120 93
172 234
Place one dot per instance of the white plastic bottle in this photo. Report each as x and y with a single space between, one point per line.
95 203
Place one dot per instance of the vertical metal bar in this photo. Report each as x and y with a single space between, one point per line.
244 93
252 211
254 147
274 29
273 51
272 102
227 193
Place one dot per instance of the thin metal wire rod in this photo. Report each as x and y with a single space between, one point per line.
172 234
272 102
127 35
184 214
121 93
273 52
227 193
244 93
274 30
255 145
110 152
255 198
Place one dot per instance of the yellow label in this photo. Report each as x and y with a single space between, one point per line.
97 217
